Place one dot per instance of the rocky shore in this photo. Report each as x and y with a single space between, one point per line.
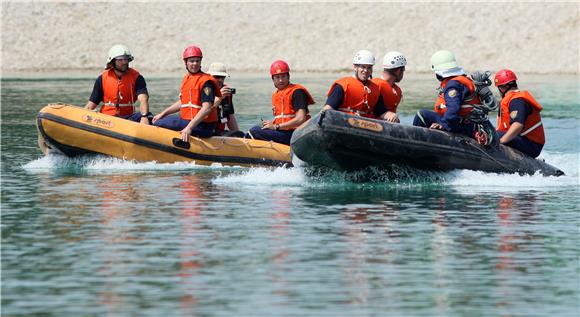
312 36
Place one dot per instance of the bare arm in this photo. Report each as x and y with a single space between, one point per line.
512 132
203 112
295 122
144 107
232 123
169 110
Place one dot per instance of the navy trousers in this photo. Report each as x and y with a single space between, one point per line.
424 118
134 117
174 122
280 136
524 145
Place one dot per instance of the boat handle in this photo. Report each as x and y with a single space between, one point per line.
180 143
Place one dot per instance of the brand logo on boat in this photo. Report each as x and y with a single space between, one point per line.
364 124
98 121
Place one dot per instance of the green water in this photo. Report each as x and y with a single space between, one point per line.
99 236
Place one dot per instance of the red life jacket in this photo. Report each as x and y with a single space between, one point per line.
282 103
392 95
467 106
533 128
190 96
221 125
359 99
119 95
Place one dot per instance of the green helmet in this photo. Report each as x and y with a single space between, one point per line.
443 60
119 50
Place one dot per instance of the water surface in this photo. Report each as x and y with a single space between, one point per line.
100 236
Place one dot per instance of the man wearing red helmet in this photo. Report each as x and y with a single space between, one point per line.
519 124
196 117
120 87
289 104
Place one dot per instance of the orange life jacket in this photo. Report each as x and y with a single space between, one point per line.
533 128
359 99
119 95
392 95
467 106
282 103
190 96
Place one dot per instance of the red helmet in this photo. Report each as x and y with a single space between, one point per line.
279 67
192 51
504 76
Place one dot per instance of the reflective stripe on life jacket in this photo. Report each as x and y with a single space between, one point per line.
392 95
467 106
359 99
119 95
282 103
533 128
190 96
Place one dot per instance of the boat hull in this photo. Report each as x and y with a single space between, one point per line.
74 131
344 142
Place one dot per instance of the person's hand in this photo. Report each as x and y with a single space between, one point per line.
226 91
392 117
268 125
436 126
156 117
144 120
185 133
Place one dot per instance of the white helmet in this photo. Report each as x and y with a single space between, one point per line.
394 60
119 50
363 57
218 69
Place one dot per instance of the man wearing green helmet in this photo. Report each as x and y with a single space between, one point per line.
457 99
119 87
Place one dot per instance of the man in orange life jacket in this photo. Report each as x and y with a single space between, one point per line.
197 116
393 71
119 87
225 103
519 124
358 94
456 98
290 106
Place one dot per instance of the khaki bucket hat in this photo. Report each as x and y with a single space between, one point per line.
218 69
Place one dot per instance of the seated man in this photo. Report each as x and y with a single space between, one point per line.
393 72
456 101
197 116
119 87
519 123
358 94
225 103
290 106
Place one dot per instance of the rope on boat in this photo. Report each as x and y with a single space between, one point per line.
489 156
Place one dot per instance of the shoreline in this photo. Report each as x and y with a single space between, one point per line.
312 37
93 73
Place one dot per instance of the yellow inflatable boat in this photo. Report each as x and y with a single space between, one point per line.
74 131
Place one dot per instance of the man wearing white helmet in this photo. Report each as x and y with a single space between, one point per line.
456 100
225 103
119 87
393 71
358 94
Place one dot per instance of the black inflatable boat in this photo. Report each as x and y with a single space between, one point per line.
344 142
